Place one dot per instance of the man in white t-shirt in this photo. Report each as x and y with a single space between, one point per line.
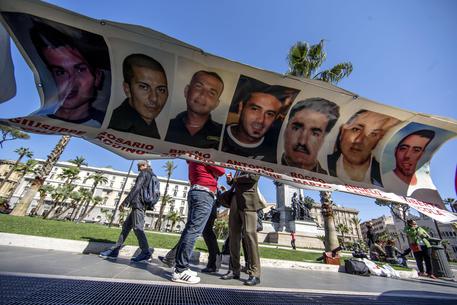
404 179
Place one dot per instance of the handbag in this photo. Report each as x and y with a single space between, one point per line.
225 198
415 247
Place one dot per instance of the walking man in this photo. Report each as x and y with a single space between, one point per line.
201 199
135 220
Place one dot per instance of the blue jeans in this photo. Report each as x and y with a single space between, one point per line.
200 206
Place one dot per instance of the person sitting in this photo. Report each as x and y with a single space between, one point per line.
377 252
393 254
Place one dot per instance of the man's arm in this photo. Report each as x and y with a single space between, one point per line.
136 188
216 171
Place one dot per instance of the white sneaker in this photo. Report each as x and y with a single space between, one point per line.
187 276
194 273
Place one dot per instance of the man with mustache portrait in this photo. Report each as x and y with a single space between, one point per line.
309 122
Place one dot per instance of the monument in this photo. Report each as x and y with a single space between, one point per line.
292 218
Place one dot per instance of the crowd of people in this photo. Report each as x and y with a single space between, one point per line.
244 203
419 245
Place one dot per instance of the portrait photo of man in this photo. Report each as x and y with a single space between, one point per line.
309 123
408 152
78 62
255 132
146 87
358 137
195 126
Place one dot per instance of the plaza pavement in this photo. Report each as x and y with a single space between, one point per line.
46 263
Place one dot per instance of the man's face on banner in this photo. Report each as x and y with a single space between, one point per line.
76 81
147 92
257 116
360 137
202 94
303 137
408 154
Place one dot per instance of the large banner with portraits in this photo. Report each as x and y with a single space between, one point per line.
142 94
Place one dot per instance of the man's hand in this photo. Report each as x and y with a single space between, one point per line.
121 208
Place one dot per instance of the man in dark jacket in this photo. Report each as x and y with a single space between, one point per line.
135 220
243 222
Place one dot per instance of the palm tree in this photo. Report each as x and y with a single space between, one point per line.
22 152
174 217
96 201
75 197
23 204
78 161
451 202
304 61
98 178
10 133
60 194
343 229
44 191
70 174
356 221
221 228
23 169
169 168
85 195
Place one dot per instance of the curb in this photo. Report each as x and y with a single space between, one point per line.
86 247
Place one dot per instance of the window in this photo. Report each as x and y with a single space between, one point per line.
175 193
181 211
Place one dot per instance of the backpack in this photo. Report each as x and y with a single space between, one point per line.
356 267
151 194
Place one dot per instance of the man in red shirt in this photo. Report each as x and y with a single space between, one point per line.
201 199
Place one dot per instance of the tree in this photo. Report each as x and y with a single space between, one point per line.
23 169
452 203
10 133
95 201
169 168
78 161
98 178
221 228
400 211
343 229
174 217
22 152
304 61
331 239
23 204
356 221
43 191
60 194
85 195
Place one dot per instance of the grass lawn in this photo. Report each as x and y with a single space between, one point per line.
37 226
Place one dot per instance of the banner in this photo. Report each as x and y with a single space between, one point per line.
139 93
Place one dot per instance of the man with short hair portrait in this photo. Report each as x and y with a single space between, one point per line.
146 87
195 127
309 123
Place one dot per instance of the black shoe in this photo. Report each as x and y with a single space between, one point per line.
143 256
244 269
109 254
209 270
166 261
230 276
252 281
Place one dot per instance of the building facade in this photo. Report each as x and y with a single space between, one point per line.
110 192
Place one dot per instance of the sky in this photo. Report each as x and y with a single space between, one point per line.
403 54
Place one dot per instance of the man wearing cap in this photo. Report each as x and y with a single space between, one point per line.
135 220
